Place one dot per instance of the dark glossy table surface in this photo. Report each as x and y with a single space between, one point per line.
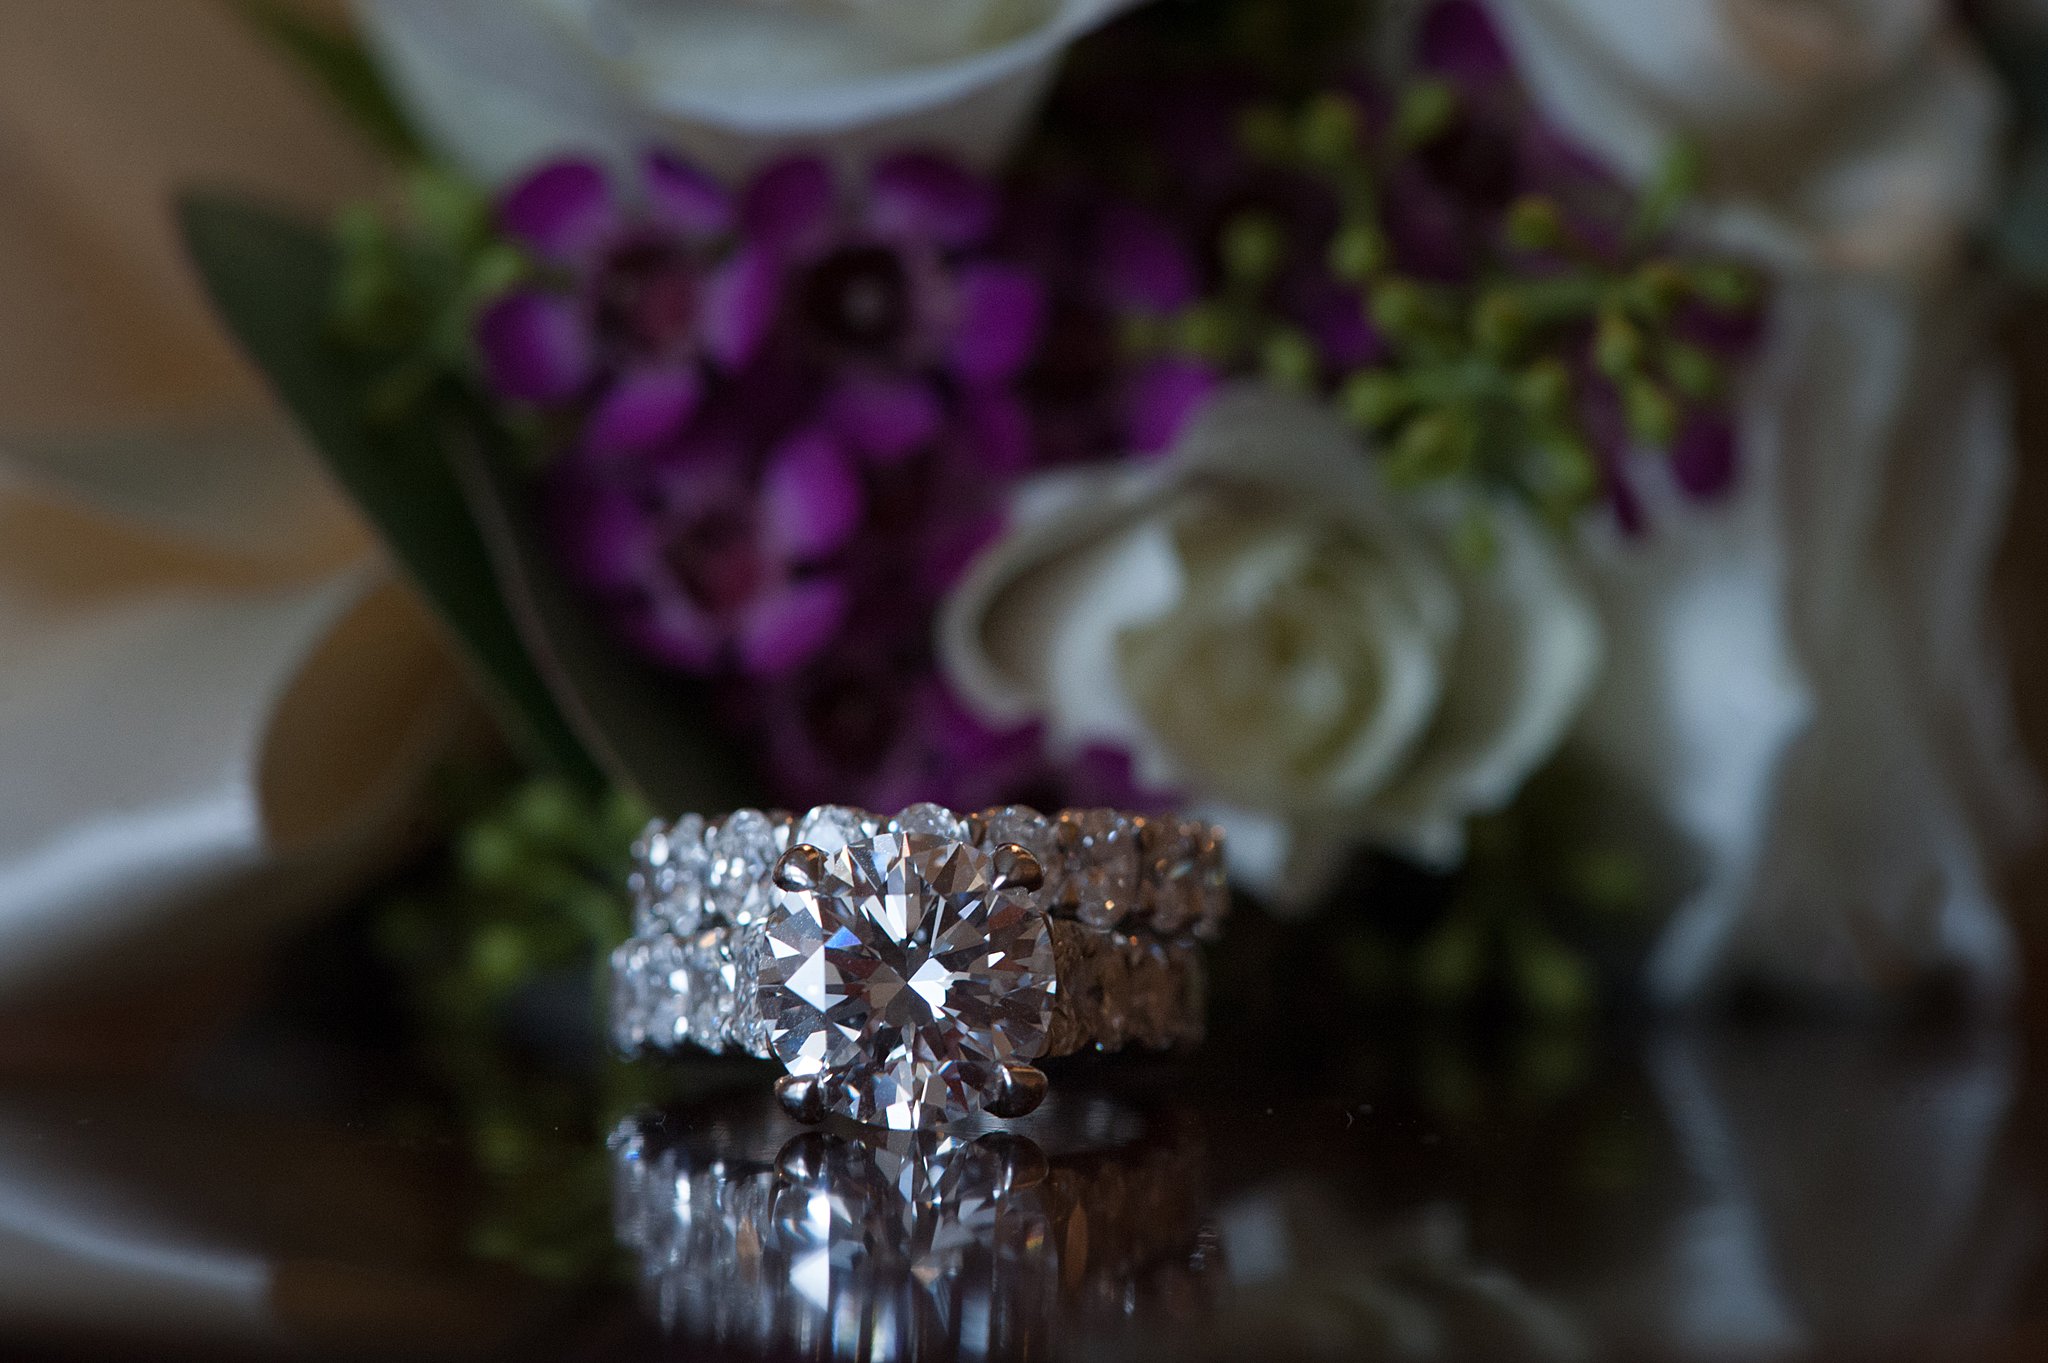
1762 1191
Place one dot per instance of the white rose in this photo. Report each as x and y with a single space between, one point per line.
1801 681
502 84
1857 134
1266 629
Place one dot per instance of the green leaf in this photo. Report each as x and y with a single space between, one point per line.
648 728
272 279
341 66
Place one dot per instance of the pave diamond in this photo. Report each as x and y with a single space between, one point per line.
1183 878
669 864
652 988
709 988
905 981
933 821
1101 881
832 828
741 853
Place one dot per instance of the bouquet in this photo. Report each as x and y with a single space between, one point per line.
1289 412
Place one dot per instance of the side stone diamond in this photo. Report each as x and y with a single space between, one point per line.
708 988
741 854
747 1027
701 989
833 828
1121 989
651 991
932 821
1099 862
632 996
668 879
1025 827
1183 890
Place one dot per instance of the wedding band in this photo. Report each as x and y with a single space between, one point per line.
907 971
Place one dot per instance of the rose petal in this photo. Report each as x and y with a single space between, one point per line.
684 197
1000 320
886 419
739 305
562 212
788 208
1162 398
1529 648
786 628
1144 264
643 409
535 347
811 502
920 196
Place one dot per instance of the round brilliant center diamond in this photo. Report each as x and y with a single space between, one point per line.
904 981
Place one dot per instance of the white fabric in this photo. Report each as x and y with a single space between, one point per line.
214 706
502 84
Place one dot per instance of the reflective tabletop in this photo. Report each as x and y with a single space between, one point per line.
1684 1192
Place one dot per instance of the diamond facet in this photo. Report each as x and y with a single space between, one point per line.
905 981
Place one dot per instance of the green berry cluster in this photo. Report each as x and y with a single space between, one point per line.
407 288
517 925
1481 380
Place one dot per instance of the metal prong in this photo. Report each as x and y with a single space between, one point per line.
802 1160
800 1098
1017 869
801 868
1020 1091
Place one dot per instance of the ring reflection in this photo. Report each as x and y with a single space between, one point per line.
861 1244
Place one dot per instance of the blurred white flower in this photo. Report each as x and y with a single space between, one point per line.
1267 630
1854 134
1801 680
502 84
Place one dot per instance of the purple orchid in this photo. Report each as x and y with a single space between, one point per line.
632 300
896 278
736 367
715 562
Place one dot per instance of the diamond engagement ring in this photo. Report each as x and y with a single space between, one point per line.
908 971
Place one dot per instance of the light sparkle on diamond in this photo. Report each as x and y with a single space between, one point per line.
905 980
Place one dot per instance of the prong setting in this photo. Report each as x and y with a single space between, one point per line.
801 1098
1017 869
801 868
1019 1092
